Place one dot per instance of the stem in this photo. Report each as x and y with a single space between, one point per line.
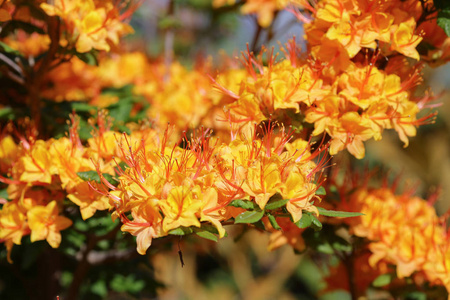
49 269
11 63
256 37
35 78
426 11
87 258
81 270
349 264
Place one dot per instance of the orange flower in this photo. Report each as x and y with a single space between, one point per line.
13 223
181 207
146 225
35 165
404 231
92 24
405 41
46 223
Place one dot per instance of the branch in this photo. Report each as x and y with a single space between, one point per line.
256 37
95 258
87 258
13 65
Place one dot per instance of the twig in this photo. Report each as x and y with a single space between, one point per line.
11 63
349 264
256 36
86 260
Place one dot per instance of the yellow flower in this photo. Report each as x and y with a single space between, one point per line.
92 24
88 199
36 165
146 225
181 207
405 41
404 231
264 9
300 193
263 181
212 211
45 224
13 223
68 159
350 132
9 152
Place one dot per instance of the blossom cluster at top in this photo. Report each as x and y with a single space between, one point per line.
86 25
359 77
91 24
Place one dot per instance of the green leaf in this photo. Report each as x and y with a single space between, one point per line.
7 113
245 204
260 225
273 222
123 128
89 175
317 225
111 179
210 228
122 92
416 295
83 107
99 288
6 48
88 57
123 165
169 22
75 238
66 278
85 130
276 204
326 240
443 20
321 191
305 221
181 231
4 194
339 214
121 110
340 244
207 235
249 217
382 280
128 283
325 248
93 175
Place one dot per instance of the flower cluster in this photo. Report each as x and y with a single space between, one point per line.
341 29
403 231
92 24
354 106
42 173
167 187
400 232
357 80
165 88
